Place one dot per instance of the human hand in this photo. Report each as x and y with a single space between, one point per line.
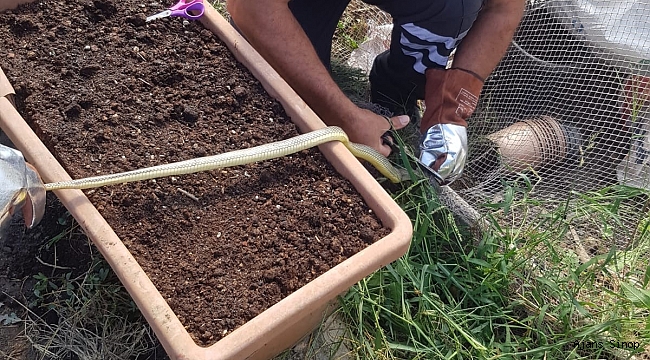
369 128
20 188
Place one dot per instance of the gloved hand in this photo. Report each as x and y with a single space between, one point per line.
450 97
20 188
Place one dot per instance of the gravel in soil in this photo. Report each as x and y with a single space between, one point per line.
108 92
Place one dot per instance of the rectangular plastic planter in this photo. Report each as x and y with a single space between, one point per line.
286 322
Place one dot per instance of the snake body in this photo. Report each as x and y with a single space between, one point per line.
240 157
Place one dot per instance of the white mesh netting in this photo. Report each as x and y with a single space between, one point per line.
578 69
569 104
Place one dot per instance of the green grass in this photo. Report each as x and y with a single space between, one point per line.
517 292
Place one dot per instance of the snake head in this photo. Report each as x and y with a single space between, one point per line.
21 188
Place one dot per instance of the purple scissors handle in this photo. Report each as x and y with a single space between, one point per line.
191 10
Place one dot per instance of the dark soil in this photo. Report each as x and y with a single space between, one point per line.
107 92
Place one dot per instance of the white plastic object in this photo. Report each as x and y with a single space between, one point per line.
621 26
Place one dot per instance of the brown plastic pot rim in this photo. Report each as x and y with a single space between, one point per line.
252 338
5 87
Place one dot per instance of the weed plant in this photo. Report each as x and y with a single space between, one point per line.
518 292
545 280
83 312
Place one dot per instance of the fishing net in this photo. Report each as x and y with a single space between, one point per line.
568 107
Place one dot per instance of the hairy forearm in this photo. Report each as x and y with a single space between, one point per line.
486 43
271 28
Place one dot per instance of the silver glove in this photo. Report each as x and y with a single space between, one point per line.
447 140
20 188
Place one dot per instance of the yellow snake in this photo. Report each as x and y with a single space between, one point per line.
241 157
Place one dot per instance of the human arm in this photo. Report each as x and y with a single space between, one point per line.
275 33
486 43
